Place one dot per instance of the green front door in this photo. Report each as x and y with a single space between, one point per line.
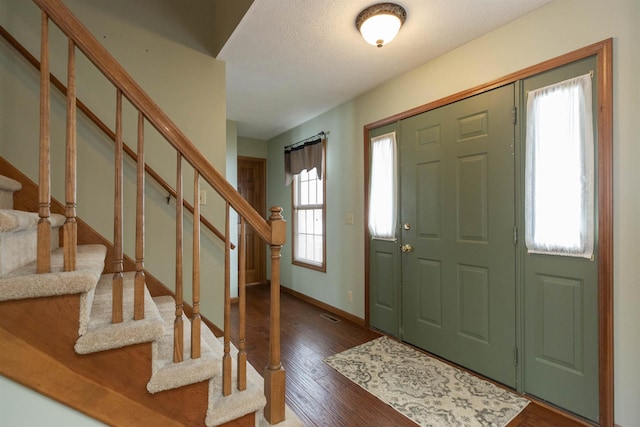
457 215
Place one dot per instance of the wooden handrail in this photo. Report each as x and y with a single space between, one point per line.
106 130
115 73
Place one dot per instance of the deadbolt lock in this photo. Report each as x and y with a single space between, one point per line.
406 248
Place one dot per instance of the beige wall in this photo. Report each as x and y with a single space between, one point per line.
557 28
188 84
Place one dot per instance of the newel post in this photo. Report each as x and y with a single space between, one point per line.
274 373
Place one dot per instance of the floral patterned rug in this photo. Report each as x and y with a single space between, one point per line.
429 392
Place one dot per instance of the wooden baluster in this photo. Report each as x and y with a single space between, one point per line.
242 303
139 281
118 254
70 229
178 327
44 191
196 320
226 358
274 373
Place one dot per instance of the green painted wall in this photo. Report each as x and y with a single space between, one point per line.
251 147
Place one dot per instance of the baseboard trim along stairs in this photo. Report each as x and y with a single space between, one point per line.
96 333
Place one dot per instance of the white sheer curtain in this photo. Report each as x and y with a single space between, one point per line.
559 171
383 194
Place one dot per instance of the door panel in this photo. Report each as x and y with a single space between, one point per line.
457 175
385 287
561 305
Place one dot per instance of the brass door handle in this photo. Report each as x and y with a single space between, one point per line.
406 248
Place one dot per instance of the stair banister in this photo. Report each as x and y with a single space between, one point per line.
139 280
273 232
242 304
70 229
44 186
118 241
178 325
196 319
274 373
115 73
105 129
226 358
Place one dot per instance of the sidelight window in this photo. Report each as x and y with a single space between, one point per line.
383 194
559 171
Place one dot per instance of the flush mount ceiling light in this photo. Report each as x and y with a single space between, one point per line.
380 23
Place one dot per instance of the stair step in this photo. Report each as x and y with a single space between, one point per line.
12 220
165 374
222 409
97 333
25 283
19 237
7 187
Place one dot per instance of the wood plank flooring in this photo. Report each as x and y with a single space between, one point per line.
317 393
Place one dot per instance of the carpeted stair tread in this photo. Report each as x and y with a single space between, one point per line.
7 187
9 184
12 220
19 238
98 333
165 374
25 283
222 409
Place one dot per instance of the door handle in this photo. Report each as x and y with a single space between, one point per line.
406 248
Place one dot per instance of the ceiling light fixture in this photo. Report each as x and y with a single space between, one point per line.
380 23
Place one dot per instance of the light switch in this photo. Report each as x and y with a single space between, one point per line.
349 219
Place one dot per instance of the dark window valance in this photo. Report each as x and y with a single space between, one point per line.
304 156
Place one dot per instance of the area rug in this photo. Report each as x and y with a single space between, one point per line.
427 391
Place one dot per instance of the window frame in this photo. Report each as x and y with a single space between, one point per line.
322 267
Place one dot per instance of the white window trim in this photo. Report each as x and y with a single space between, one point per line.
303 262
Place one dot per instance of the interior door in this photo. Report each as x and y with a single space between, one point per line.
384 276
252 187
457 201
561 305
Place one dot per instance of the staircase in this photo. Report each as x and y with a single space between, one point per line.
110 348
94 330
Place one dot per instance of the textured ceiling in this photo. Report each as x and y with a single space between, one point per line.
291 60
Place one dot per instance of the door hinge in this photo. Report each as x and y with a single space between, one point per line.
515 235
514 115
515 356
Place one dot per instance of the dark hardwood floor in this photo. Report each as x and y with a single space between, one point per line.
317 393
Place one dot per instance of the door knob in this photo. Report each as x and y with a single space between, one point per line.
406 248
